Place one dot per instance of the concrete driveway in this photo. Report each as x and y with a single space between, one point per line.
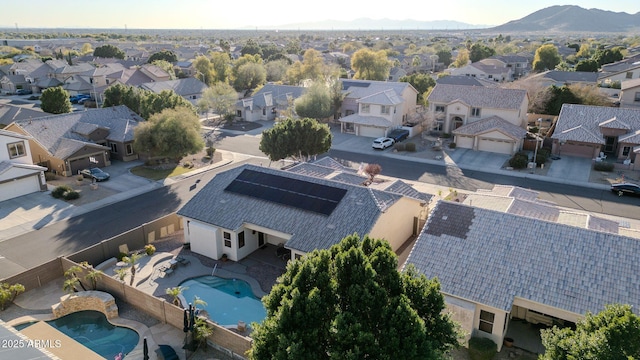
470 159
570 168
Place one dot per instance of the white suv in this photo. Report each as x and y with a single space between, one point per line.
382 143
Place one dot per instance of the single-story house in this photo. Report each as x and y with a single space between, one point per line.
243 209
268 102
560 78
586 131
189 88
480 118
18 175
68 143
495 266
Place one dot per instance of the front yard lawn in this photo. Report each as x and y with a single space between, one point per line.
159 173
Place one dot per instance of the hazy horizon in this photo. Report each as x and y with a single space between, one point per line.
212 15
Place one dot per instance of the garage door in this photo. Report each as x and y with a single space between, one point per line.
370 131
464 142
15 188
581 150
89 162
496 146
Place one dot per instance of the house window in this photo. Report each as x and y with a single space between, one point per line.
475 112
16 149
241 239
490 76
486 321
438 125
264 111
626 150
384 109
637 97
107 81
439 108
227 239
298 256
365 108
114 147
129 149
629 74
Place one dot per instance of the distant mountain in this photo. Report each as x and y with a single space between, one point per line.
571 18
377 24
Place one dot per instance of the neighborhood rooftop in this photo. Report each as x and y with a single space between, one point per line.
478 96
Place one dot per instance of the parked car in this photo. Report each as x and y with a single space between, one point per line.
95 173
625 188
23 92
398 134
83 100
76 98
382 143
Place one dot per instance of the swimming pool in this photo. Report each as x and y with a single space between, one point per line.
93 330
228 300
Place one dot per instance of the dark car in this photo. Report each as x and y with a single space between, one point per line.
23 92
95 173
398 134
625 188
76 98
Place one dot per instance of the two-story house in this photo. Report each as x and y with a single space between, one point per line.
630 93
268 102
18 175
494 71
374 108
68 143
480 118
189 88
620 71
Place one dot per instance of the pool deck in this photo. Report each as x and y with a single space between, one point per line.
151 280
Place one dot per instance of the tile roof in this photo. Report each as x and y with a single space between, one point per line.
404 189
386 97
571 76
515 192
10 113
368 120
357 89
62 135
8 165
582 122
334 164
479 96
491 257
274 94
349 178
182 87
357 212
465 80
310 169
490 124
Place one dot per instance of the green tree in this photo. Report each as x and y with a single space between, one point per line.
72 274
444 56
276 70
421 82
55 100
172 133
108 51
204 70
120 94
584 52
370 65
608 56
610 334
558 97
546 58
221 98
221 64
166 55
589 95
86 49
480 51
462 59
296 138
154 103
175 293
251 48
311 67
315 103
587 65
131 261
249 76
166 66
8 293
350 302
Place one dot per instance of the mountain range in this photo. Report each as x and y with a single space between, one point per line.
553 19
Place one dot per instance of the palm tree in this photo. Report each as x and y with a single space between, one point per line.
70 284
72 274
122 273
93 276
202 331
132 260
197 301
175 292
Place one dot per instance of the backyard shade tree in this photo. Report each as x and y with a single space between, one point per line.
480 51
296 138
166 55
421 82
55 100
371 65
108 51
315 103
120 94
173 133
546 58
221 98
154 103
350 302
610 334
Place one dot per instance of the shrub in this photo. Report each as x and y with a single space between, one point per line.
519 161
71 195
452 145
603 166
80 178
399 147
48 176
149 249
481 348
206 158
121 256
8 293
410 147
210 151
187 164
59 191
446 135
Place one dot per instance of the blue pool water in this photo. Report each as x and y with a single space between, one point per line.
228 300
94 331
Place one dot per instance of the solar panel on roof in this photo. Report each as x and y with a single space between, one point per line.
348 84
304 195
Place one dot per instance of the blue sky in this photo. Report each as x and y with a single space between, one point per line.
224 14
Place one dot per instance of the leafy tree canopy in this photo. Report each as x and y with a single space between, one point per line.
55 100
172 133
370 65
296 138
315 103
221 98
350 302
143 102
546 58
610 334
108 51
251 48
607 56
444 56
587 65
120 94
221 63
249 76
166 55
558 97
421 82
480 51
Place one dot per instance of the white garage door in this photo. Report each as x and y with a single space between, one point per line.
464 142
15 188
370 131
496 146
